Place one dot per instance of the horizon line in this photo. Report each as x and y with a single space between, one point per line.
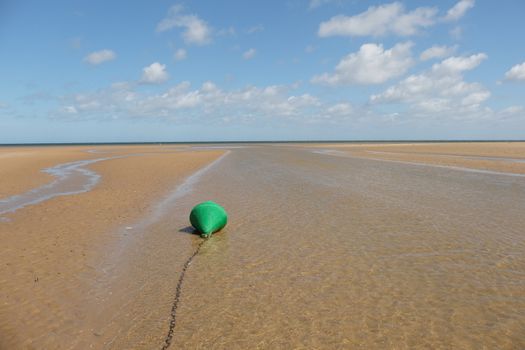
102 143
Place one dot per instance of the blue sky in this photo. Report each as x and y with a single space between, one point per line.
98 71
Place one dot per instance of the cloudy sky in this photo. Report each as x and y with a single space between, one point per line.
93 71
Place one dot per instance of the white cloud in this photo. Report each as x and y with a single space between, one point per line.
370 65
459 64
255 29
310 49
435 94
121 85
437 52
70 110
155 73
180 54
249 54
99 57
459 10
341 109
196 31
509 113
317 3
182 103
380 20
475 98
517 72
440 90
514 110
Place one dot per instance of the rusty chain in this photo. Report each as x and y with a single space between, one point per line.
176 300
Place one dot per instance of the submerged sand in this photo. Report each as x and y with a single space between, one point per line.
490 156
367 246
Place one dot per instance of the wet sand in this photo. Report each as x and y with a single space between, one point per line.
52 251
498 157
338 249
29 161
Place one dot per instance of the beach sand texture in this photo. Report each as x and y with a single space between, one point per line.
328 246
51 251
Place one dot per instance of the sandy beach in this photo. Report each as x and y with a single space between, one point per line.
359 246
50 250
306 175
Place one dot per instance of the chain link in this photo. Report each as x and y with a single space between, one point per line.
176 300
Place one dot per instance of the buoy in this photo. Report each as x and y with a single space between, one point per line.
208 217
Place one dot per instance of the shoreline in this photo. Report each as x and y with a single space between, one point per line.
449 167
489 158
53 247
158 209
62 174
22 169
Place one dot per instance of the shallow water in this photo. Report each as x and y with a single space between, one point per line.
451 167
471 157
329 252
321 252
70 178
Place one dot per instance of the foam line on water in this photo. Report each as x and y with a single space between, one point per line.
179 192
97 151
218 147
450 167
63 173
470 157
159 209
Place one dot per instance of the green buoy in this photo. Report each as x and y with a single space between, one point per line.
208 217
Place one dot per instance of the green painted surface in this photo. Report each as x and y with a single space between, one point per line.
208 217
